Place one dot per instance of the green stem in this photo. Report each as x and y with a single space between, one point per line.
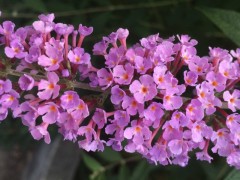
110 166
147 5
73 84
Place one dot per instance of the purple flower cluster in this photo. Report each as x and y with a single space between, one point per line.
167 100
154 113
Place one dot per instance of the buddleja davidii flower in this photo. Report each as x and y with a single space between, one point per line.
188 53
203 155
166 50
49 111
131 105
159 154
233 158
190 78
134 52
49 88
117 95
222 142
116 127
69 99
33 54
208 99
123 74
200 131
114 57
51 61
161 76
179 120
142 64
229 69
232 99
10 100
233 122
26 82
143 90
236 54
68 126
187 41
138 134
16 50
78 56
7 28
5 86
43 27
92 141
216 81
150 42
194 110
217 55
100 117
105 78
80 111
199 65
27 112
40 131
153 114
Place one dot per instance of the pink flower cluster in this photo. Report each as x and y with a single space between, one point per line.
167 100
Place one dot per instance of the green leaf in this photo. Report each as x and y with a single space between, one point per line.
91 163
139 171
228 21
109 155
36 5
233 175
123 172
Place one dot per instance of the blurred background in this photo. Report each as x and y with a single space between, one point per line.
142 18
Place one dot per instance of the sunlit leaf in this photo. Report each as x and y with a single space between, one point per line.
110 155
233 175
91 163
228 21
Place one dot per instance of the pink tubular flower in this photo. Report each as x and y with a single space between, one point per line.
69 99
40 131
9 100
117 95
138 133
190 78
132 106
77 56
154 113
200 130
232 99
123 74
26 82
5 86
143 90
80 111
84 30
16 49
194 110
171 102
48 89
50 112
216 81
105 78
52 60
100 117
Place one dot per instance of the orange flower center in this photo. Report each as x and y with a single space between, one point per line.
138 129
53 108
214 83
144 90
